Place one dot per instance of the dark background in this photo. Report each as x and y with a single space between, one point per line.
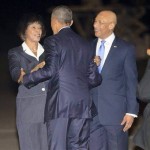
12 10
133 25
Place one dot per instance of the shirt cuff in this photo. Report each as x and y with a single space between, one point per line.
135 116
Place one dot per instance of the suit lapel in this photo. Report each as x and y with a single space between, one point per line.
111 54
26 56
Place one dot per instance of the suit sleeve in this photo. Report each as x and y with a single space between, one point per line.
94 76
131 80
14 64
50 68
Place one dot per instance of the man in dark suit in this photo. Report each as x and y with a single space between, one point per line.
115 98
72 72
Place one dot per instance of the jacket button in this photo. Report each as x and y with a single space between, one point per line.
43 89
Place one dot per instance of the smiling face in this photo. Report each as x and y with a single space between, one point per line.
33 32
104 24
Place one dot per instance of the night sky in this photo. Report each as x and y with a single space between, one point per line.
12 10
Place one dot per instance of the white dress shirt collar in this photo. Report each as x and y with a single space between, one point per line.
64 27
108 42
110 38
27 50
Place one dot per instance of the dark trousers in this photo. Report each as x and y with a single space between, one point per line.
106 137
68 134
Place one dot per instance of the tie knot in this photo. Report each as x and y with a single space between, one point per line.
102 42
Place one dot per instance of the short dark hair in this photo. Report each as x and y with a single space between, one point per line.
63 14
28 19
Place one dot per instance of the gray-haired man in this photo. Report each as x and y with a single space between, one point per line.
72 72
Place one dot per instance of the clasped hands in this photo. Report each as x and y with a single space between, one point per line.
22 72
97 60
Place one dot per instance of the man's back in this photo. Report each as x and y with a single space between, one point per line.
71 73
71 82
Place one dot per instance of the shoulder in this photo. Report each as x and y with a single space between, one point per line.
52 38
17 49
125 47
124 43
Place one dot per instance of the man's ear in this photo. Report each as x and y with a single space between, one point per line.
112 26
71 23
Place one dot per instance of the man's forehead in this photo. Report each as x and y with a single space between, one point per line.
101 17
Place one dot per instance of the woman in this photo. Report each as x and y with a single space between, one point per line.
30 103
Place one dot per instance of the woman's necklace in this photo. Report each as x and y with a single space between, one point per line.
34 51
32 46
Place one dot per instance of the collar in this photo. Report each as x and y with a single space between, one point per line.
27 50
109 40
64 27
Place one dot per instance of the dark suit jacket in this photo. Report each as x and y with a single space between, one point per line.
117 93
142 136
71 71
30 103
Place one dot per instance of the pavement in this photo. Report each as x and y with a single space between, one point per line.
8 134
